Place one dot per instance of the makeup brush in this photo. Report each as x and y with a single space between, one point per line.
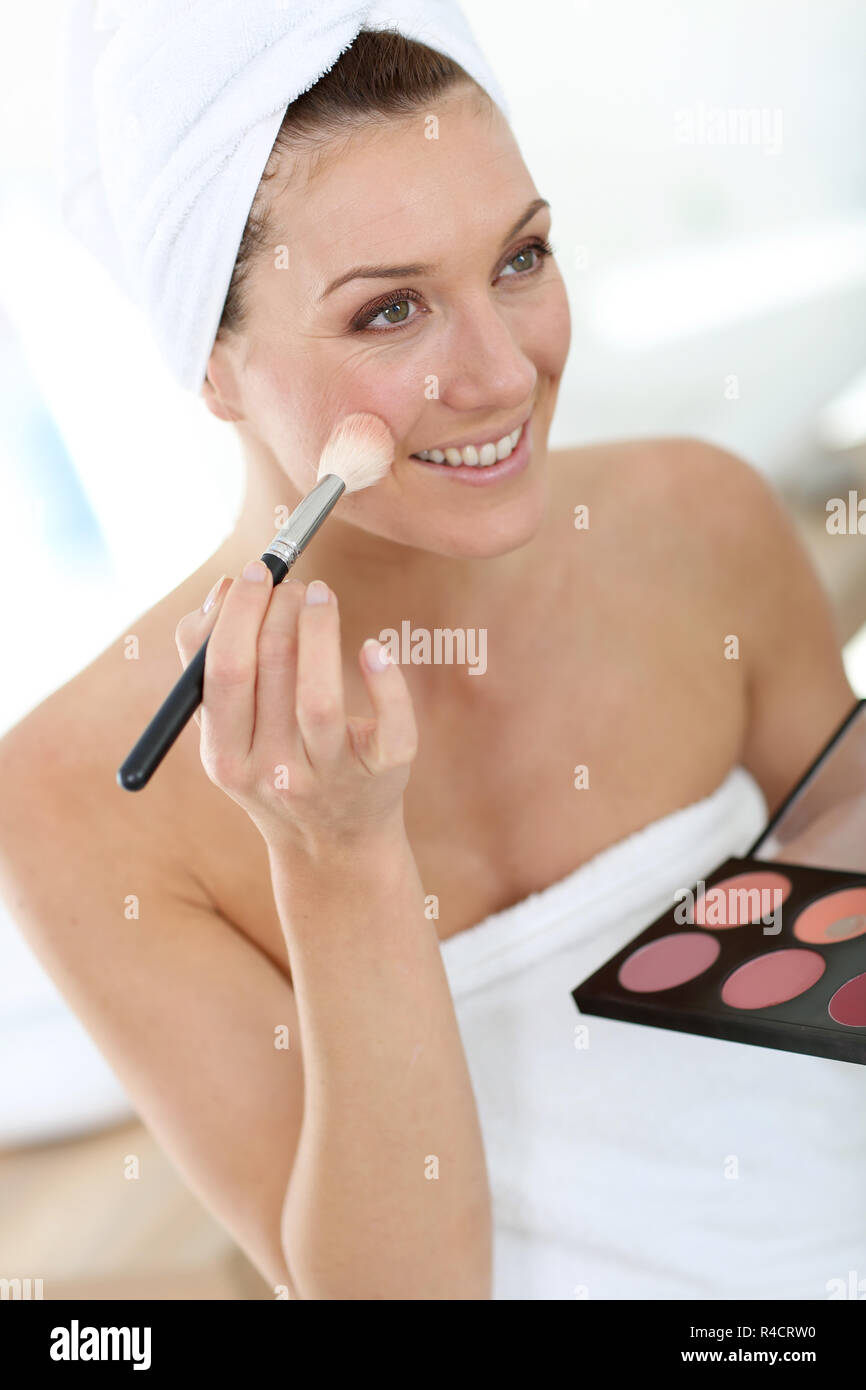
359 452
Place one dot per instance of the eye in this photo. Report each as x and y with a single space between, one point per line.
521 261
394 309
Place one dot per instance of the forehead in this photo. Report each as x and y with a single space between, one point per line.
404 189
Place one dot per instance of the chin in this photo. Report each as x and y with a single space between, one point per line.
494 531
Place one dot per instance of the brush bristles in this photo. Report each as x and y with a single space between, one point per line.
360 450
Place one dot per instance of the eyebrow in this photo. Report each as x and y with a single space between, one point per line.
400 272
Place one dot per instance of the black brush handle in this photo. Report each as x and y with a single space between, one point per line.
176 710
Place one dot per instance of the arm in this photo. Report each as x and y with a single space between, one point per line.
387 1093
180 1003
388 1195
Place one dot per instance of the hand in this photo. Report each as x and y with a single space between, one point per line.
274 733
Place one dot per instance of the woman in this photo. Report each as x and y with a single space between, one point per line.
276 1004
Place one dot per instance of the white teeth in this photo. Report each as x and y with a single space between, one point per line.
473 456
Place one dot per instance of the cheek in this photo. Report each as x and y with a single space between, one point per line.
282 412
388 384
546 335
296 402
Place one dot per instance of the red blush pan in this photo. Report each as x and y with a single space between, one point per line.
848 1004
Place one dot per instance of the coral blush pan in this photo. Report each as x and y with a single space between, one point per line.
744 898
836 917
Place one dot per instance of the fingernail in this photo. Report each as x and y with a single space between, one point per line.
376 657
317 592
212 596
255 570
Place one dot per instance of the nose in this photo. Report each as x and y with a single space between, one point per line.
486 366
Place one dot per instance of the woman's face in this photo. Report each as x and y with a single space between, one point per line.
460 342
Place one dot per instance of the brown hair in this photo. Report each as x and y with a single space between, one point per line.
382 74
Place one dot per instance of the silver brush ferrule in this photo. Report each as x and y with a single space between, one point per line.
306 519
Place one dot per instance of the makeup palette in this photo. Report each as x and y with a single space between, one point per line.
770 949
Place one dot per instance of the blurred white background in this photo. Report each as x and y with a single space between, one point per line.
707 170
716 288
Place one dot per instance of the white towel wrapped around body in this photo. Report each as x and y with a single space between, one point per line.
169 112
629 1162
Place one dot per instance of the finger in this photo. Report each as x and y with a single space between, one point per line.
394 740
194 627
319 706
276 738
229 702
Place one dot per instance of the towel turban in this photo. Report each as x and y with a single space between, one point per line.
170 109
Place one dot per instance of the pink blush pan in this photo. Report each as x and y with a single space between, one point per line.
668 961
773 978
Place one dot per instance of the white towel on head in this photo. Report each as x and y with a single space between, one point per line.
170 109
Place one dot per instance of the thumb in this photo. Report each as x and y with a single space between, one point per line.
390 739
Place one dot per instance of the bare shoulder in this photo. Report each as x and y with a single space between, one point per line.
717 512
669 510
715 535
63 813
59 762
684 475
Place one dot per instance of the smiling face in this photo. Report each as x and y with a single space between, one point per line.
459 337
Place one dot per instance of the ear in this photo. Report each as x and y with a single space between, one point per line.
214 404
216 387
